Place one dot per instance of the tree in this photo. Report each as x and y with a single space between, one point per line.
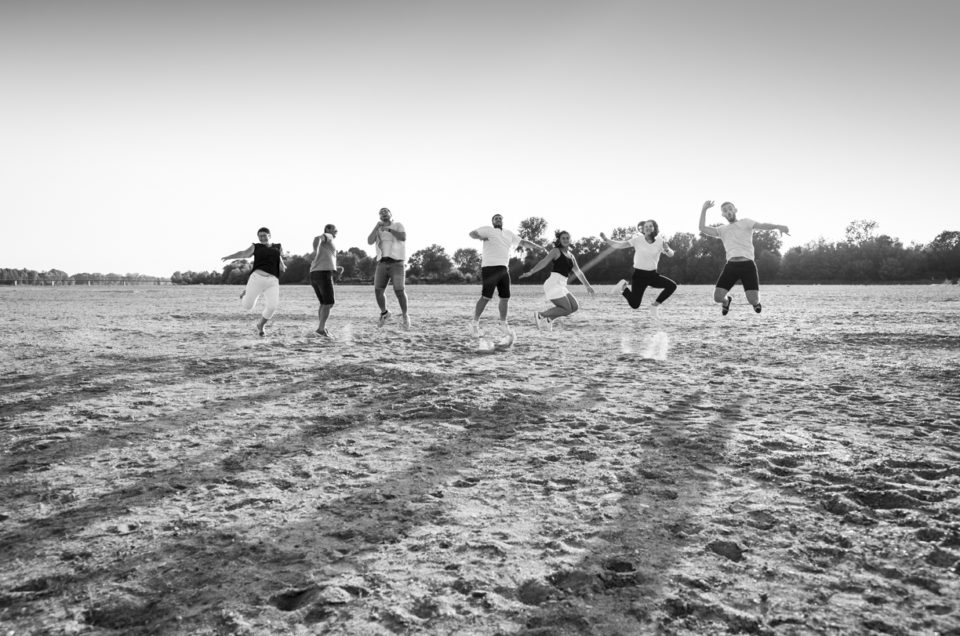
467 260
943 255
860 231
297 270
431 263
348 261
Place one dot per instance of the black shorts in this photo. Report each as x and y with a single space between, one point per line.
744 271
322 283
497 277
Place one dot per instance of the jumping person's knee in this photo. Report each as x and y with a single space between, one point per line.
719 294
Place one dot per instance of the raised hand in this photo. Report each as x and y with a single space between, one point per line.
707 205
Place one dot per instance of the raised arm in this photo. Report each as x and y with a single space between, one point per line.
375 234
704 229
617 245
771 226
247 253
581 275
546 260
532 244
667 250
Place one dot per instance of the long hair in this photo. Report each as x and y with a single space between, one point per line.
557 235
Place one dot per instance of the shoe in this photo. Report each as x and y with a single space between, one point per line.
384 316
406 321
539 320
620 286
324 334
475 329
504 327
757 308
726 305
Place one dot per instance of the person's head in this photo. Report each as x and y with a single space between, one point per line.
385 215
649 228
562 239
264 235
497 221
729 211
330 228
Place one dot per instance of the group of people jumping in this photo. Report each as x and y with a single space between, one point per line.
389 238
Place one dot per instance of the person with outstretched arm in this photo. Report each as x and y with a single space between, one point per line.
737 237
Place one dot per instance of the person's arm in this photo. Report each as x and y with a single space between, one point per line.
375 234
475 234
581 276
771 226
532 244
316 246
617 245
400 232
546 260
283 266
666 249
704 229
247 253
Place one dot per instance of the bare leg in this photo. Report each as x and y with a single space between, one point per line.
753 297
720 294
562 307
504 303
381 301
402 299
481 305
261 324
324 313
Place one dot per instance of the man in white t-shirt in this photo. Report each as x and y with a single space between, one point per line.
647 246
737 237
498 243
390 239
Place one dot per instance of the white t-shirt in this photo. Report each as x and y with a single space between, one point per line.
737 238
388 245
646 255
497 246
326 258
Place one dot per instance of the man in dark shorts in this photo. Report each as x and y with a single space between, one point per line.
737 237
494 271
322 269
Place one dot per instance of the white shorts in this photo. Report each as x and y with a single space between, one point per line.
555 287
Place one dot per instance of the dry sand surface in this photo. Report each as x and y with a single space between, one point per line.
166 471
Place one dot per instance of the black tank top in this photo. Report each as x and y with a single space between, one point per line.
563 265
267 258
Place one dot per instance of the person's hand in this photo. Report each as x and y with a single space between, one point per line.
525 275
591 291
603 236
707 205
784 230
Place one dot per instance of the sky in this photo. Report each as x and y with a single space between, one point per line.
151 137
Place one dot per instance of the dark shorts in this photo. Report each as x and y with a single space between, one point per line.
322 283
498 278
743 271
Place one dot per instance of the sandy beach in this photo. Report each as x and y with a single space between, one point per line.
166 471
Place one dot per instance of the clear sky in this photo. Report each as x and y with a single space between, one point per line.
158 136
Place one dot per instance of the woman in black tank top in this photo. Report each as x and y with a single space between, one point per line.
264 280
563 263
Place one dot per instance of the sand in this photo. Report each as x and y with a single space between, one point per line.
166 471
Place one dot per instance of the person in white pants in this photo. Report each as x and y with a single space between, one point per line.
264 279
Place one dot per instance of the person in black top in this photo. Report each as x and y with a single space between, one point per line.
555 287
264 279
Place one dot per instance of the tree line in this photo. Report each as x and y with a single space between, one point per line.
10 276
863 256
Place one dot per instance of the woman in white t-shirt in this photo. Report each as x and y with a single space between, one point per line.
648 246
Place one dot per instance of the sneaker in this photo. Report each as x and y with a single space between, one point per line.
324 334
384 316
757 308
406 321
539 320
503 327
726 305
475 329
620 286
